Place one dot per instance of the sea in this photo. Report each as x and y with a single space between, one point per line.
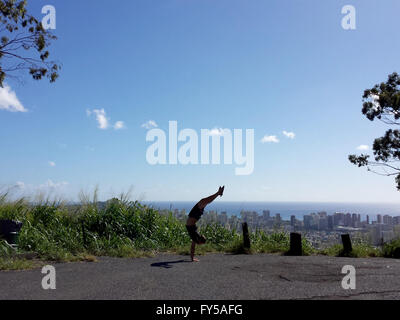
286 209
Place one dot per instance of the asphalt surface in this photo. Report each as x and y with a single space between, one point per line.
215 277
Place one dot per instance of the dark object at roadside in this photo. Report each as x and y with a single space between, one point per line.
246 238
396 253
296 248
347 247
9 230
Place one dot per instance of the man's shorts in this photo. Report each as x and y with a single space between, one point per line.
192 230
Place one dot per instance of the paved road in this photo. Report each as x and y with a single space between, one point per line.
217 276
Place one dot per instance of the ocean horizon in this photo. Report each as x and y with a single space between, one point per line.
285 209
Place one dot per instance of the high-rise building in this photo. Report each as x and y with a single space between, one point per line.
387 219
323 223
376 234
354 220
338 218
367 219
278 218
293 221
347 220
266 214
330 222
379 218
322 214
307 219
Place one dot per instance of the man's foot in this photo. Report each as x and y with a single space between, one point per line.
221 190
195 260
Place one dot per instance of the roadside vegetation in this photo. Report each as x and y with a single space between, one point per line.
53 231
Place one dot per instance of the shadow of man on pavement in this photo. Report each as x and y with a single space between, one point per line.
167 264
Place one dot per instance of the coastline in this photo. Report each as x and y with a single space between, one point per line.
285 209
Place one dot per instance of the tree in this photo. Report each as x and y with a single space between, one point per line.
382 102
23 44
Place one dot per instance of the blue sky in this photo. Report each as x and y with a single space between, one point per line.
271 66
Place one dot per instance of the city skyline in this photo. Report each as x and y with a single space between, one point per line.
320 229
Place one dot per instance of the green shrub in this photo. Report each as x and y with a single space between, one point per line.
217 235
5 249
360 250
392 249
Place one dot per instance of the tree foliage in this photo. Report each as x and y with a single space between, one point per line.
24 43
382 102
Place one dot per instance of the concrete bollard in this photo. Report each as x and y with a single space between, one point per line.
347 248
246 238
296 248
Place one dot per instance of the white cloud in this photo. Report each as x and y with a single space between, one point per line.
9 100
363 147
216 132
149 124
290 135
52 164
50 185
101 118
273 139
119 125
103 121
20 185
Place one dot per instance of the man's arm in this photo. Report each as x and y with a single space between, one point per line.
192 252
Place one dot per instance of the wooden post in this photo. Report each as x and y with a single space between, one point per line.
296 248
347 248
246 238
396 253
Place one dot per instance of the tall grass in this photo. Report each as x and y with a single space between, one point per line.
120 228
124 228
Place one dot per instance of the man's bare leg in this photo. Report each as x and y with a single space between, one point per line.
205 201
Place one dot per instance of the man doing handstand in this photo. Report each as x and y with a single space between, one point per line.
194 216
